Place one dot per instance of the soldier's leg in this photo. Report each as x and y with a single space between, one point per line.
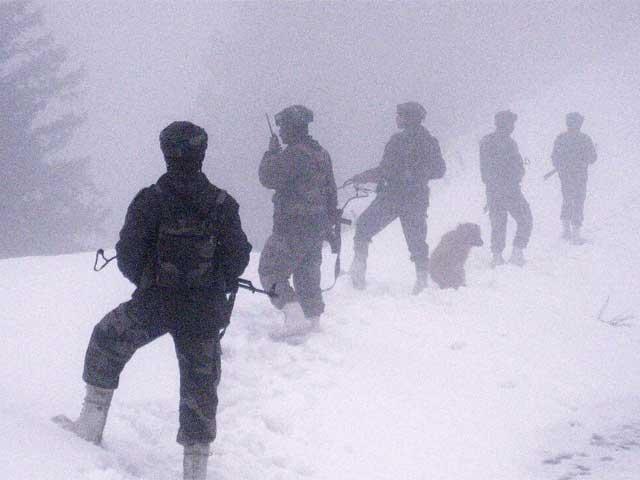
275 268
521 212
579 197
372 221
306 279
565 212
200 369
114 341
579 194
414 226
498 219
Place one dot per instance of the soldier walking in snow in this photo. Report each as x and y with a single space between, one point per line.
502 170
573 152
411 158
304 214
183 247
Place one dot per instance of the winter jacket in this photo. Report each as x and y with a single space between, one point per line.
573 152
305 199
411 158
196 310
501 164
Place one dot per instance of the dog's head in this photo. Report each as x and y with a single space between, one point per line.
470 233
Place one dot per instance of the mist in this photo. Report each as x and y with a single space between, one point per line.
223 65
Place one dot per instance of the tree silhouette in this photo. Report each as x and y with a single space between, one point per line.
46 204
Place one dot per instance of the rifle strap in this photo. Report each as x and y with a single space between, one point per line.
336 274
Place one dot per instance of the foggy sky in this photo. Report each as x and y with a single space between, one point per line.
223 65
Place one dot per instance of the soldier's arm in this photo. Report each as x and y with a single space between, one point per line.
232 242
517 161
332 191
275 169
555 155
373 175
138 236
437 167
389 165
485 160
590 152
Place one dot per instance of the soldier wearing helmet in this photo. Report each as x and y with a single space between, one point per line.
183 247
502 170
573 152
411 158
304 213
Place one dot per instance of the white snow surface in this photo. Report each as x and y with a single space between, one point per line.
527 373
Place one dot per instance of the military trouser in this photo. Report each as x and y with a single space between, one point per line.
123 331
502 203
299 256
574 193
384 210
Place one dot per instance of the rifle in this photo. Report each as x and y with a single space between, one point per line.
242 282
336 244
336 240
549 174
269 123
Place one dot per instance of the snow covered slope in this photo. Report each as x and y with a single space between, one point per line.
528 373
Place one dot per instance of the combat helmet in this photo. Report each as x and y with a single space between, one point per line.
295 116
505 118
183 139
574 120
411 110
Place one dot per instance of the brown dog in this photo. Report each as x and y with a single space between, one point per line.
446 264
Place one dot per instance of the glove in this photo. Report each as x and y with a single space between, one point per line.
274 144
357 178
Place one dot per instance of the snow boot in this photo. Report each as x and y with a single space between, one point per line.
497 260
517 257
93 416
422 276
576 238
315 323
295 323
358 268
194 462
566 230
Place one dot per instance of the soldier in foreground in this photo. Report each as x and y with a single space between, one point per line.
183 247
502 170
304 214
573 152
411 158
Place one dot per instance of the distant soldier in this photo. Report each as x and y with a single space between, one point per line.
502 170
304 215
411 158
573 152
183 248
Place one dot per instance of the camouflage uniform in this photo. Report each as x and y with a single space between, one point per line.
502 170
411 158
305 209
192 316
573 152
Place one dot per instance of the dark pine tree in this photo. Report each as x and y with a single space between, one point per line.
46 203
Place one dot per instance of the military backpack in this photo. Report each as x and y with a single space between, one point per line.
187 242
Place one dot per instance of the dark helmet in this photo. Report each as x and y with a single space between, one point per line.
183 139
505 118
295 116
412 110
574 120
